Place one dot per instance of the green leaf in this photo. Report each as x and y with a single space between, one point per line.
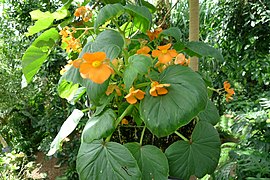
204 49
60 14
210 114
187 96
100 126
151 161
94 91
106 160
174 32
78 94
138 64
108 12
150 6
47 39
68 126
32 60
142 17
40 25
199 156
67 89
37 14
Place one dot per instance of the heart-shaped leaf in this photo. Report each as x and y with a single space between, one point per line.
187 96
138 64
199 156
210 114
99 126
152 162
106 160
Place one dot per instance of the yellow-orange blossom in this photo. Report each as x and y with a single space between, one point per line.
164 54
95 68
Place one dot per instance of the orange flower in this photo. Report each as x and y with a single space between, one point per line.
181 59
153 35
124 121
144 50
230 92
113 87
95 68
164 54
158 89
134 95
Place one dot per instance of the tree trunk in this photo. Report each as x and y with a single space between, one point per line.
194 30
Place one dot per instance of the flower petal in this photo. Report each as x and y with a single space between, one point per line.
139 94
172 52
131 99
100 74
165 47
162 91
85 67
164 58
153 92
156 53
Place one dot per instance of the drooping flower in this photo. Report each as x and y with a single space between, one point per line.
229 90
164 54
158 89
95 67
181 60
111 88
124 121
134 95
144 51
154 34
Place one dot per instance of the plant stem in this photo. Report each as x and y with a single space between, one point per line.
141 139
120 119
181 136
142 85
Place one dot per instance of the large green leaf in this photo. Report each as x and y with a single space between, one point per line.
36 54
107 12
100 126
32 60
138 64
152 162
187 96
68 126
199 156
142 17
174 32
210 114
40 25
106 160
203 49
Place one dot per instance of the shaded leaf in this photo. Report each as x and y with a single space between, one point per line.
151 161
142 18
107 12
199 156
210 114
174 32
106 160
187 96
100 126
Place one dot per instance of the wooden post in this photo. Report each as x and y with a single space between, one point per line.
194 30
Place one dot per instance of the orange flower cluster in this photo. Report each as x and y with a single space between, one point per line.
158 89
113 87
181 60
164 55
72 44
230 92
134 95
153 35
94 67
84 13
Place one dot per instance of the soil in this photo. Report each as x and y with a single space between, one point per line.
47 168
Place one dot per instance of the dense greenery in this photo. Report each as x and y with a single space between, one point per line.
31 117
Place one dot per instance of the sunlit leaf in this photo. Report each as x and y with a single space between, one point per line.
68 126
106 160
198 157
